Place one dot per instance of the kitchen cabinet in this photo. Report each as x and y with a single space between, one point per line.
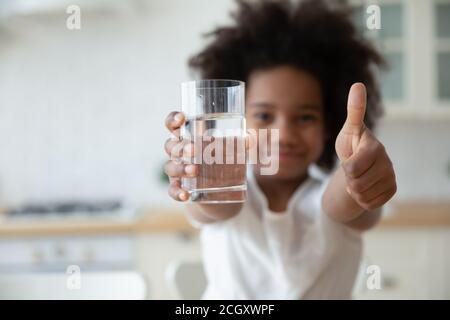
156 253
410 246
56 253
414 38
413 262
148 244
149 254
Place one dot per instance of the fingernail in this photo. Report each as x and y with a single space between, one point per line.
188 149
178 117
182 195
348 191
189 169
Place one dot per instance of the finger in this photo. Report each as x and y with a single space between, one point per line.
174 120
188 150
362 160
179 149
178 193
363 183
175 134
381 199
377 172
175 180
380 187
356 108
173 169
173 148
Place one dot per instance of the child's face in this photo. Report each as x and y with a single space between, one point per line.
290 100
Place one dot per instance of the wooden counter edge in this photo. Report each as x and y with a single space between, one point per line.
417 214
406 215
163 221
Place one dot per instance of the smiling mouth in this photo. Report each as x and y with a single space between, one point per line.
290 155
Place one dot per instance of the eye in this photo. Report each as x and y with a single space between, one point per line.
307 118
263 116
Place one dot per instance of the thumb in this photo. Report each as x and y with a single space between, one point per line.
356 109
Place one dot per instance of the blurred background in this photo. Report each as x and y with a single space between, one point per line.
81 148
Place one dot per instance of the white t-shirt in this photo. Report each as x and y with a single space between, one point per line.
297 254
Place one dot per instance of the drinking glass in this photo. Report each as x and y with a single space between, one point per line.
215 125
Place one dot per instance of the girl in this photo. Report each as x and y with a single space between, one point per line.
298 235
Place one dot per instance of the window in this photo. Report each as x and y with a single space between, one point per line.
442 36
390 41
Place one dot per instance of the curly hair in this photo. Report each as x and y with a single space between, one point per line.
311 35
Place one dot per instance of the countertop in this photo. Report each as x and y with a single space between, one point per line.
401 215
146 221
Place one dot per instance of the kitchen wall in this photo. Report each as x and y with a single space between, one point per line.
420 151
82 111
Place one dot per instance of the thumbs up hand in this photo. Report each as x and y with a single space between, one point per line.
369 174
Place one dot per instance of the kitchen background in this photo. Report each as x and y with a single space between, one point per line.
82 133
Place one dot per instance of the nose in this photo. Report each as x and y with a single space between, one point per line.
287 133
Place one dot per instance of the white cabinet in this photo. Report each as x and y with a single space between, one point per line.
56 253
155 254
150 254
414 263
414 38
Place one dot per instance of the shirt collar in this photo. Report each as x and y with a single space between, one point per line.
315 174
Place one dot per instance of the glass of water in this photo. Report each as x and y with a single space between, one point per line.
215 125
